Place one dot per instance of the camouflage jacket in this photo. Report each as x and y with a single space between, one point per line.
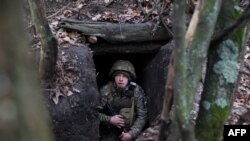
118 100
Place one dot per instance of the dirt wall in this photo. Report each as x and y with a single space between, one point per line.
154 77
74 118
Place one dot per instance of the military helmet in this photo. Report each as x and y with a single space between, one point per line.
123 65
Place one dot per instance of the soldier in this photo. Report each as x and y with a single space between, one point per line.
123 105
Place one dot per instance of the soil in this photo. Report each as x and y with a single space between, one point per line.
73 97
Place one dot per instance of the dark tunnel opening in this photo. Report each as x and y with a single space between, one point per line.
104 63
151 71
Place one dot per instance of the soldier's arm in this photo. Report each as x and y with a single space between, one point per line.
104 99
141 117
104 118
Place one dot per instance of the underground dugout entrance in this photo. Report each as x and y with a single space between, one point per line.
151 71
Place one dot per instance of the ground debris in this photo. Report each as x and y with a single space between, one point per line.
117 11
240 111
67 75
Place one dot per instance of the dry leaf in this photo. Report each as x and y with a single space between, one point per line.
92 39
64 59
60 41
70 80
70 93
97 17
168 1
56 96
106 1
247 56
68 40
79 6
67 13
54 23
61 33
237 104
73 35
76 90
65 90
107 15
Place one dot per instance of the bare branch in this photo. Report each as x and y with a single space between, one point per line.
242 21
194 22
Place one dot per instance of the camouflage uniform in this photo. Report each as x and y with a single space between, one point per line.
123 99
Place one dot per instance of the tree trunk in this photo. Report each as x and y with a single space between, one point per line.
219 83
179 32
22 116
49 43
223 32
222 71
190 54
167 102
119 32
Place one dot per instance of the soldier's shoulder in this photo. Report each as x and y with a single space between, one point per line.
138 90
105 89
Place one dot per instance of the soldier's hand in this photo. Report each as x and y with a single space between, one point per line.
118 121
125 136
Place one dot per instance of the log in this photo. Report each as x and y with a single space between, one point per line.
119 32
23 116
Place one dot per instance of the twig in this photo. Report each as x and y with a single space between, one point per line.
169 87
152 9
30 26
244 72
60 10
192 3
49 90
194 22
110 2
160 11
243 20
142 9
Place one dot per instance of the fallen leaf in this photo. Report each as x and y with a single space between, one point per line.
70 93
97 17
65 90
92 39
107 15
64 59
73 35
61 33
237 104
67 13
69 40
76 90
247 56
79 6
56 96
54 23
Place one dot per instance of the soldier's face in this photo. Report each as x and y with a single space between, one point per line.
121 80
